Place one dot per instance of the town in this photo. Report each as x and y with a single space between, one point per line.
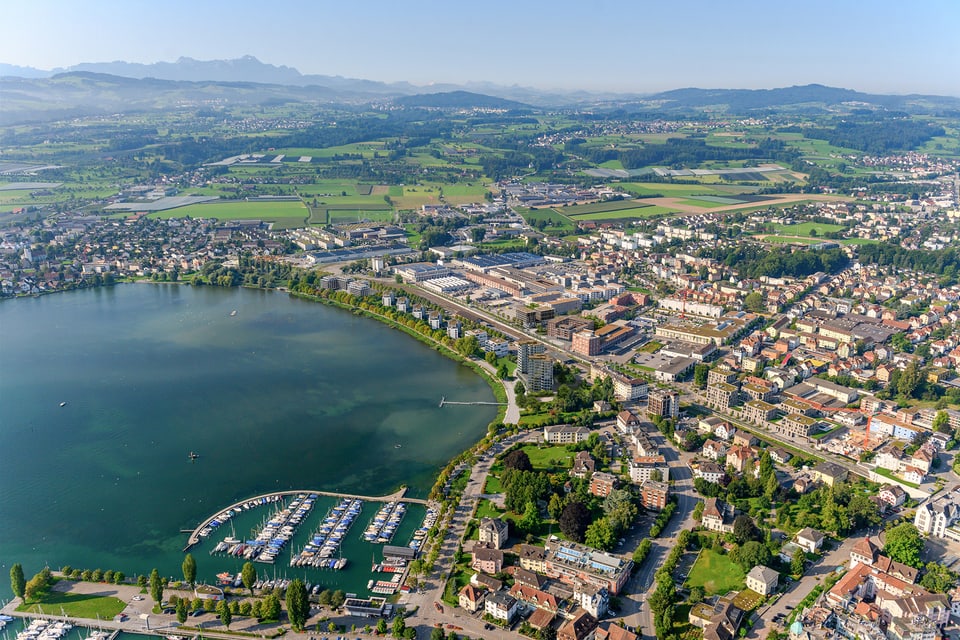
730 394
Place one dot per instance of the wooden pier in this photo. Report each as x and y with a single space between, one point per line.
397 496
444 401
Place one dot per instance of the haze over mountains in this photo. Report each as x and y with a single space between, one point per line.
89 88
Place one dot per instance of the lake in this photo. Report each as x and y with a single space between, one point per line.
283 394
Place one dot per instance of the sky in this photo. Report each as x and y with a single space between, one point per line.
883 46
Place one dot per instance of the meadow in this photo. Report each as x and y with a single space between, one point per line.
284 215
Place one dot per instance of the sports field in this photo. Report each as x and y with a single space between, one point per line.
804 229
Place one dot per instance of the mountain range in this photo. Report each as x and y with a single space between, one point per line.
35 95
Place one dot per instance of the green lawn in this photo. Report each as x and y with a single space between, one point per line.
486 509
668 189
558 224
889 474
493 485
77 605
549 458
716 573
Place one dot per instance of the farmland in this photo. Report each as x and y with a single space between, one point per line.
283 214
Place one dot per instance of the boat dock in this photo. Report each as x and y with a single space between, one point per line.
273 496
444 401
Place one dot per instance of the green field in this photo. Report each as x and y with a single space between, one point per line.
285 215
804 228
716 573
641 213
598 207
558 224
77 605
670 190
549 458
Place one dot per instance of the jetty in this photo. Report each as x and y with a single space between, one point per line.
195 536
444 401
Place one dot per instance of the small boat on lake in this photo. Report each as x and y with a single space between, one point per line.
63 404
193 456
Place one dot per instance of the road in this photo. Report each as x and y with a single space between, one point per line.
633 608
426 615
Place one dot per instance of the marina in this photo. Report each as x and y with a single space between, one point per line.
320 542
384 525
326 540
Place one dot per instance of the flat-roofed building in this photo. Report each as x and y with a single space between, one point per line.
722 395
796 425
654 495
758 411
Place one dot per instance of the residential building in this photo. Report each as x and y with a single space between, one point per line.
663 403
864 552
539 373
614 632
583 465
494 531
796 425
533 558
722 395
642 468
565 434
602 484
893 495
654 495
829 473
713 450
525 350
709 471
810 540
582 626
626 388
763 580
717 516
937 515
644 444
759 412
779 455
739 457
471 598
534 597
592 598
586 343
501 606
486 559
627 422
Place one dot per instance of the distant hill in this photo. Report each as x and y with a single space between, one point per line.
81 93
458 100
812 95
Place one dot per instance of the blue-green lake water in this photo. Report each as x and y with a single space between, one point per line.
284 394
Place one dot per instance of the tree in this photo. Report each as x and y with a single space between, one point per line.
750 555
337 598
904 544
182 610
555 506
156 587
700 373
467 345
271 607
18 583
189 567
223 610
502 371
381 626
938 578
399 626
248 574
438 634
298 604
941 422
863 512
531 518
490 357
753 301
744 530
698 511
599 535
696 594
574 521
798 562
518 460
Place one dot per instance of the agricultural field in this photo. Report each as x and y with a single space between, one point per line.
645 212
668 189
284 215
598 207
557 223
